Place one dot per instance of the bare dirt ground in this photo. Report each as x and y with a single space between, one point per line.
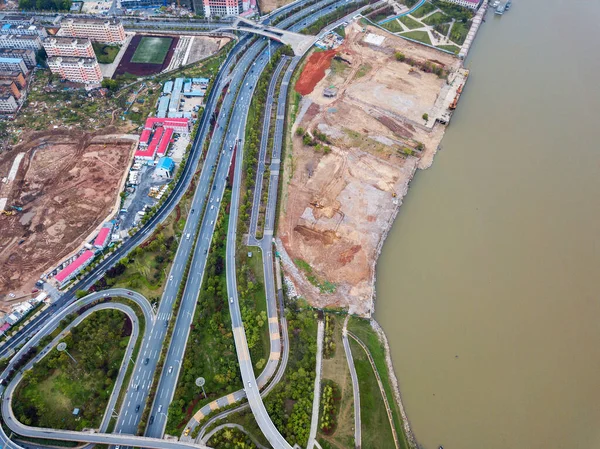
67 184
338 206
269 5
204 46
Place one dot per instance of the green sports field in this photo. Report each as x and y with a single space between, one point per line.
151 50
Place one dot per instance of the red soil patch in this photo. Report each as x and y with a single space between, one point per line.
314 71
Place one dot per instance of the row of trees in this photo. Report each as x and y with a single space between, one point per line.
333 16
45 5
330 404
328 343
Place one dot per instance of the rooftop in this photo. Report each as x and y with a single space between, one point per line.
102 236
74 266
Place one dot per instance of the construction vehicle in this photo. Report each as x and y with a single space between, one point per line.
8 213
17 208
316 205
460 88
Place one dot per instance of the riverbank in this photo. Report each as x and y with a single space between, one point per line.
366 125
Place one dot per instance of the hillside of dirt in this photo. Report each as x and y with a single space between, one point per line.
354 155
67 183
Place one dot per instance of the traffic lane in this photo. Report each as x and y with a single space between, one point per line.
59 316
184 249
167 385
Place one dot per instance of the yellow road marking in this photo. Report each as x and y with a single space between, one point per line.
213 405
274 356
199 416
273 320
230 398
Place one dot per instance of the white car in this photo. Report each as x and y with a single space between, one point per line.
231 300
170 369
171 277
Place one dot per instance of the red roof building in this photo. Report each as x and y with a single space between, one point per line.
103 238
178 125
145 137
73 269
164 142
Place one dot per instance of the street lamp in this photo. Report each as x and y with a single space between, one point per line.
62 347
200 383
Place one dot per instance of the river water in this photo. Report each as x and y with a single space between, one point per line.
488 285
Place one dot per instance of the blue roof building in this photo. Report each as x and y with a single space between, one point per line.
163 106
168 87
165 167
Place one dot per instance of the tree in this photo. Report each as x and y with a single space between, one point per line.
80 294
425 116
399 56
110 84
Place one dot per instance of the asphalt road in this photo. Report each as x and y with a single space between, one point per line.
228 134
177 347
49 328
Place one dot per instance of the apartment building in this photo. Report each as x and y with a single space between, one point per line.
109 31
8 102
22 30
12 87
77 70
8 63
222 8
21 42
14 75
69 46
28 56
16 19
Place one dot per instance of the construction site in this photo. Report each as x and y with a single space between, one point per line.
57 190
373 111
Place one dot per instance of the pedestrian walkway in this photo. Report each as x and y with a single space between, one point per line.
314 422
355 388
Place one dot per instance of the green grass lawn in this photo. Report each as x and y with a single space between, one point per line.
420 36
151 50
410 23
453 48
49 393
425 9
363 330
105 53
438 17
393 26
376 432
363 70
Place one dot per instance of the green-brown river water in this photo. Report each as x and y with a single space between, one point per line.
489 283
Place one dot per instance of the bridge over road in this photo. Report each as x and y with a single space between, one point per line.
299 42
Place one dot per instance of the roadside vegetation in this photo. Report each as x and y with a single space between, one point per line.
338 13
49 393
290 403
210 351
45 5
373 413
